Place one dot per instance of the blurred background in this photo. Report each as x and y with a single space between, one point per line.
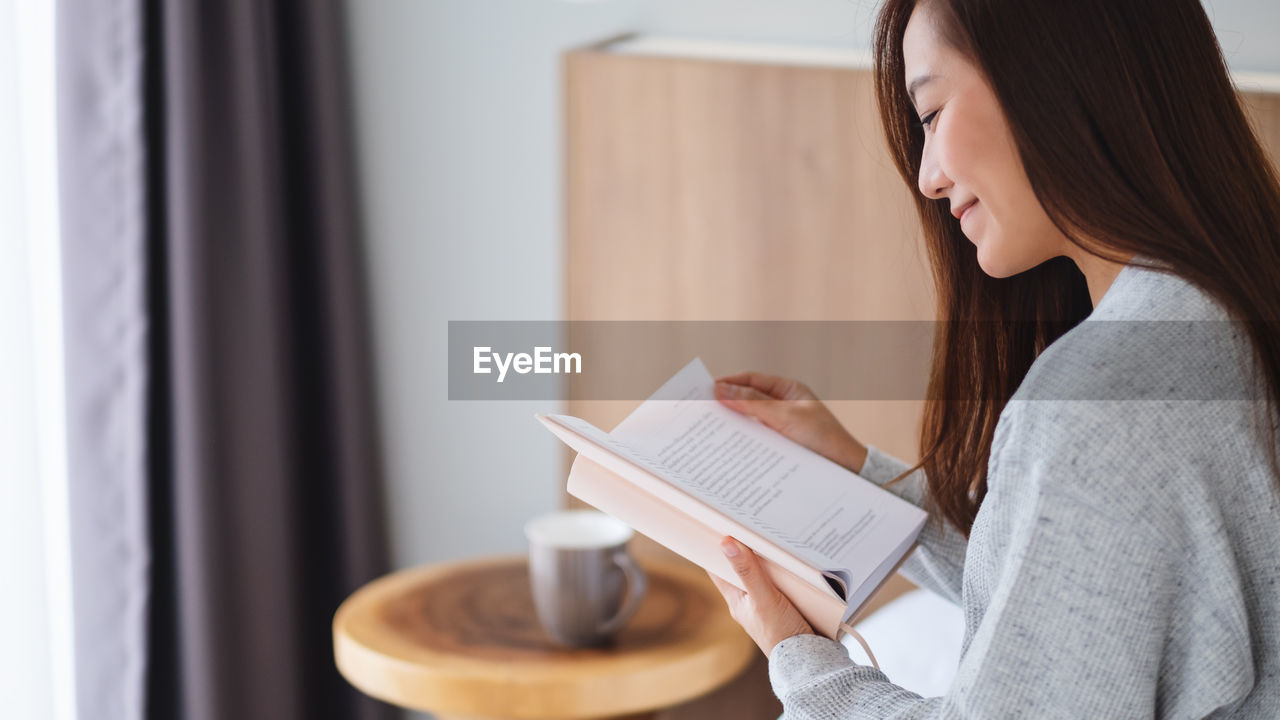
231 242
458 110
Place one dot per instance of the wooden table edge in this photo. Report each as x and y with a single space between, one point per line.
404 682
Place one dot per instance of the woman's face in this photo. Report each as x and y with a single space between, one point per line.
969 156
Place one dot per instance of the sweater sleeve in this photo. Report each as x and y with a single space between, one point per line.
1075 603
938 560
1072 630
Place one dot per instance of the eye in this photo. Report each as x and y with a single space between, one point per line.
926 121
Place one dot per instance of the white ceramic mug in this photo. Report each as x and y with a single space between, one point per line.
585 585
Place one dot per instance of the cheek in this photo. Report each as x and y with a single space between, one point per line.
980 158
964 154
1015 234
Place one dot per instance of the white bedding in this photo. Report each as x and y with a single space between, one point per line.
916 638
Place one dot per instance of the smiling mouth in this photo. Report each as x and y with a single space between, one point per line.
960 212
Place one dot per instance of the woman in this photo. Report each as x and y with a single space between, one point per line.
1099 446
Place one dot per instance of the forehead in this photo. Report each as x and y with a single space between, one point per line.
922 47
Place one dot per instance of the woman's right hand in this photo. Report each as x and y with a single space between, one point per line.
792 409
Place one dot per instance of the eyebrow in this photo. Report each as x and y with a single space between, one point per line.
915 85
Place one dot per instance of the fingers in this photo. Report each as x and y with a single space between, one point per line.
773 386
763 611
732 392
731 594
753 403
747 565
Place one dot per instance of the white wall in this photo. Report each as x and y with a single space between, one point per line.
1249 33
457 122
1248 30
843 23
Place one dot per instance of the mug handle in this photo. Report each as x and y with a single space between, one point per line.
637 583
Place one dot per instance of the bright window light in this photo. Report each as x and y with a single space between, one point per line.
36 641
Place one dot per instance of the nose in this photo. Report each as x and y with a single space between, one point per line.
932 181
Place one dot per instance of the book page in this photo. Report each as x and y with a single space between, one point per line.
825 514
635 469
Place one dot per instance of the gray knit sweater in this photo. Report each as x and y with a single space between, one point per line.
1126 560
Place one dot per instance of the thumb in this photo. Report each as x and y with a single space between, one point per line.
751 402
747 565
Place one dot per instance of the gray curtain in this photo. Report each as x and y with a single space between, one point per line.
224 481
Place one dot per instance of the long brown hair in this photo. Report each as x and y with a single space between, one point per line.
1136 144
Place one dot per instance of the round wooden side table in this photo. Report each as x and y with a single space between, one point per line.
462 640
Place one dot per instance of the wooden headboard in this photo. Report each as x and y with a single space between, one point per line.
708 189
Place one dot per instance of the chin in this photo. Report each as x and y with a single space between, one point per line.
996 264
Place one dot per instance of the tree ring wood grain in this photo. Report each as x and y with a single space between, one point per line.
463 638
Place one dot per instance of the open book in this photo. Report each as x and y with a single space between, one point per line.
686 471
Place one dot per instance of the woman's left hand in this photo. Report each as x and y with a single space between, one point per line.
763 611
